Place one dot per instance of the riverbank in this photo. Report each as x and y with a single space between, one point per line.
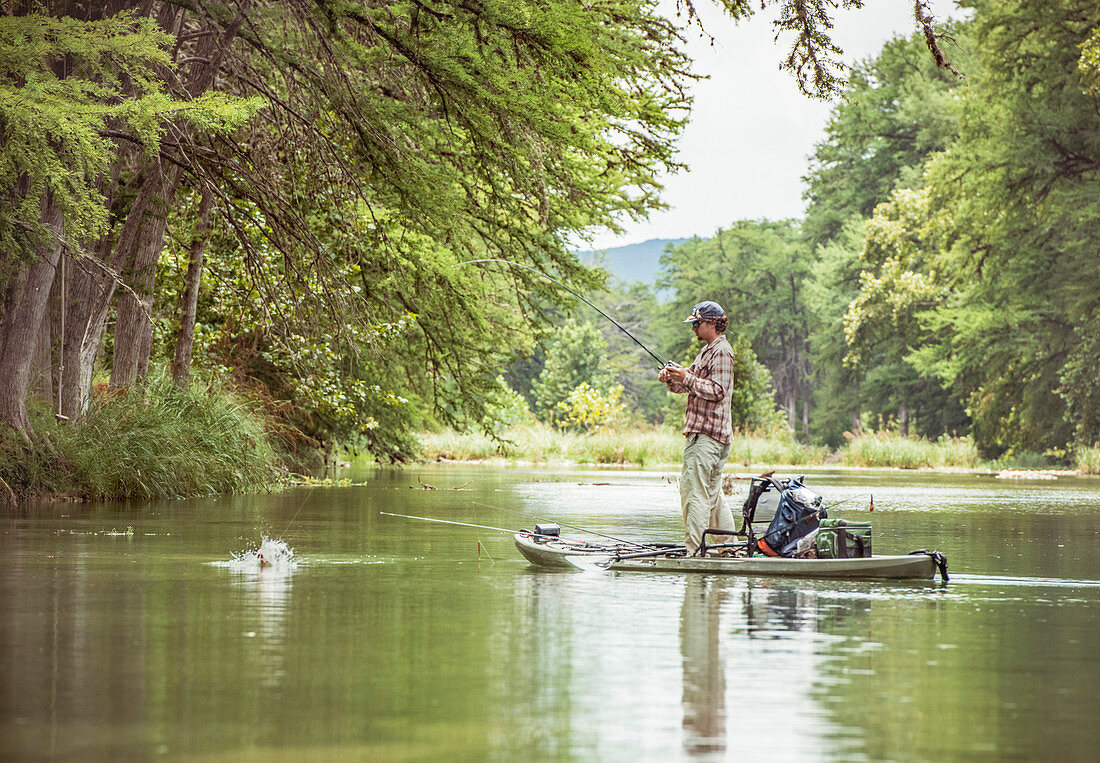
653 446
159 441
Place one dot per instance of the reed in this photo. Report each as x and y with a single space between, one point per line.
153 441
170 442
640 446
886 449
1087 459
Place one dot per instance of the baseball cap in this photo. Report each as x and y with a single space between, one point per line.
705 311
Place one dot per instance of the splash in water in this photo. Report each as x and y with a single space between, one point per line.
272 553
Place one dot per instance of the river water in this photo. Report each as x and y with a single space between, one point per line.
130 631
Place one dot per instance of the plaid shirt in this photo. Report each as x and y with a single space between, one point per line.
709 384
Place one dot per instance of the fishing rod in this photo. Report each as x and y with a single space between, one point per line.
449 522
571 527
621 328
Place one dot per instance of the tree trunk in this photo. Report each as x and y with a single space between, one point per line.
903 420
142 248
790 404
806 418
857 424
185 340
139 247
12 294
42 373
24 323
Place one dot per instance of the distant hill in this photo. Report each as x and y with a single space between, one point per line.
634 262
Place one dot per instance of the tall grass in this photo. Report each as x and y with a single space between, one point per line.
152 441
885 449
1087 459
538 443
641 446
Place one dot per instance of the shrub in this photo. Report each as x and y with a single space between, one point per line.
153 440
588 409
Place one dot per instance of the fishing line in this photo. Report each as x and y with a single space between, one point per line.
849 498
295 515
575 294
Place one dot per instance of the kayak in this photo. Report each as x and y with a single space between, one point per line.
546 551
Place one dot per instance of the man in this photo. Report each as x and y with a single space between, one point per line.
708 382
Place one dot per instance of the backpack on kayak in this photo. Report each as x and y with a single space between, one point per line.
797 515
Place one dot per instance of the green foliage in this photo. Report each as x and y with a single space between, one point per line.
508 408
1087 459
898 109
588 409
268 326
400 143
882 324
1089 65
157 441
577 356
834 283
162 441
636 308
885 449
1020 187
65 86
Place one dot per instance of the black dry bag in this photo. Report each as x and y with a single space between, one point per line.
797 515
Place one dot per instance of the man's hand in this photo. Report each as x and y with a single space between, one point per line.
672 373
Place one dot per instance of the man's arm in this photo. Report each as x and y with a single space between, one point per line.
717 384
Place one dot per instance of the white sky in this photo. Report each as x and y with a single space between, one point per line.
751 131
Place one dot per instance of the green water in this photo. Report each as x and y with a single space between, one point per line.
390 639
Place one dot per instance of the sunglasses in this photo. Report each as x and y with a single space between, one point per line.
696 324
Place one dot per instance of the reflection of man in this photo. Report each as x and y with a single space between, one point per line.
708 382
704 672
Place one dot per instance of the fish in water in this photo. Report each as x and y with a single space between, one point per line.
271 553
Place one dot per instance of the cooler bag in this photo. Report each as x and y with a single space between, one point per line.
842 539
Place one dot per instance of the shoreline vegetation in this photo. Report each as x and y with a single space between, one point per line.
151 442
167 442
652 446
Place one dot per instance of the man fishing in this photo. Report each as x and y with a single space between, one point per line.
708 382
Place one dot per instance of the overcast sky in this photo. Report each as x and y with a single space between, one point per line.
751 130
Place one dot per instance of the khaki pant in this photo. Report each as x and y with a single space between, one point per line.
701 490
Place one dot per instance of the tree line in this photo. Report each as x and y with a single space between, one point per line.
281 194
943 279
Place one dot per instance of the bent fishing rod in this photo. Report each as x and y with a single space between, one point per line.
575 294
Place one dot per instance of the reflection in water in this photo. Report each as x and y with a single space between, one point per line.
395 645
752 651
704 681
264 576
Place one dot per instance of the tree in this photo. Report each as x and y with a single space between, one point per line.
64 82
882 324
899 109
757 271
577 356
1022 188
